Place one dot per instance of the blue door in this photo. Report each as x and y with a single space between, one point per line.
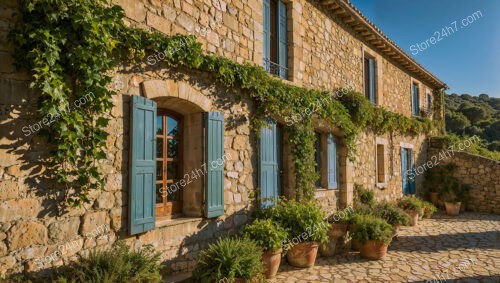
407 171
270 165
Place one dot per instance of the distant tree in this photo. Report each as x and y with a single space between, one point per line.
484 97
473 113
474 131
456 122
493 131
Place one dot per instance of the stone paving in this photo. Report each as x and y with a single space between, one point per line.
443 249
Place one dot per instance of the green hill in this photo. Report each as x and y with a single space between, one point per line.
468 115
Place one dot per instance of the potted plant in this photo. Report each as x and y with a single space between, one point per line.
307 229
230 258
429 209
374 235
413 207
363 196
432 180
453 196
392 214
270 236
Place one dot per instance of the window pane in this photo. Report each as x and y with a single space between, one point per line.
159 125
174 192
172 170
172 127
159 147
159 191
172 148
159 170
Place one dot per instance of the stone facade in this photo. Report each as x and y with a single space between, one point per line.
323 53
480 172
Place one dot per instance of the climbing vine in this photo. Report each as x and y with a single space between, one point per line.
70 48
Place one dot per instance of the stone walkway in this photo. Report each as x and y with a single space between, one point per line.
443 249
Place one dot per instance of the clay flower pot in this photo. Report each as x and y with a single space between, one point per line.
413 217
271 262
452 208
303 254
434 198
338 230
328 249
373 249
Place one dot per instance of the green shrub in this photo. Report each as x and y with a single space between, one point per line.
411 203
363 196
267 233
391 213
369 228
303 220
229 258
116 265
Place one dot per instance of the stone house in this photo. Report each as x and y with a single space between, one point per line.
183 166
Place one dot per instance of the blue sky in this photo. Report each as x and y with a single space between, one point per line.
468 59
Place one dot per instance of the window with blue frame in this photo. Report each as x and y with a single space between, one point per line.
429 102
370 68
275 57
415 99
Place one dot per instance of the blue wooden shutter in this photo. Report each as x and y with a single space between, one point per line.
416 100
371 66
412 186
142 165
266 53
282 40
269 169
214 178
332 162
404 170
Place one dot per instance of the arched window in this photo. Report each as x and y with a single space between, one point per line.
169 164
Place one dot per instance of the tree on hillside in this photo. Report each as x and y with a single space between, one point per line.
456 122
473 113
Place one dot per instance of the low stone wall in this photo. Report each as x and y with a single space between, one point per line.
481 173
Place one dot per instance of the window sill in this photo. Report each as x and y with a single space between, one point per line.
382 186
176 221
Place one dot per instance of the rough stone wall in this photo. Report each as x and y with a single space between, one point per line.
480 172
35 235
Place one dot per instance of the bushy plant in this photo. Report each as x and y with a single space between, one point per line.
301 219
429 209
371 228
363 196
267 233
116 265
229 258
411 203
391 213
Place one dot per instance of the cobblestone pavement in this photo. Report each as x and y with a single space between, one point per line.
443 249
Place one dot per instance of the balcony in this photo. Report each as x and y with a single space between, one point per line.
275 69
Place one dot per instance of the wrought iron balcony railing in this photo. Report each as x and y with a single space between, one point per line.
275 69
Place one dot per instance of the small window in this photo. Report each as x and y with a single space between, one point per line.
429 102
317 157
168 165
370 78
415 100
380 163
275 57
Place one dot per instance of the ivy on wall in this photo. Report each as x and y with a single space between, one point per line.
71 46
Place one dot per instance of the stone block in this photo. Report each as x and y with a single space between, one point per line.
26 234
17 209
159 23
65 230
133 9
94 223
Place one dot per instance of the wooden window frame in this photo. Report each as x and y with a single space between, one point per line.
169 209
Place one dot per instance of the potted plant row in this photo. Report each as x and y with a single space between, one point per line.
413 207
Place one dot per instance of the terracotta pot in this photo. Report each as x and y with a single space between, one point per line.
303 254
413 217
271 262
355 245
452 208
434 198
373 249
338 230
